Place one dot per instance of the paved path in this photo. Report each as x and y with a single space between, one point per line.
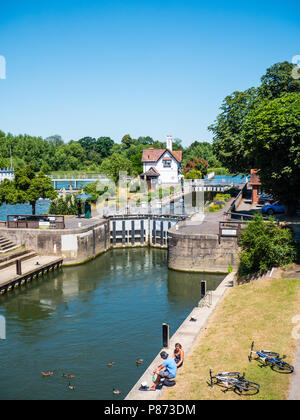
9 273
76 222
207 223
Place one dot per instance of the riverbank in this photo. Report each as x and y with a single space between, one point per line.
261 311
186 334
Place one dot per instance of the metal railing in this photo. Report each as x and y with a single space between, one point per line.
42 222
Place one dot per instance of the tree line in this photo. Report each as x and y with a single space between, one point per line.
90 154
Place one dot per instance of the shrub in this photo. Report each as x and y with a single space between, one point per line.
214 207
64 205
222 197
265 245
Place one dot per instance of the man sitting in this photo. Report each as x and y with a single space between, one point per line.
166 370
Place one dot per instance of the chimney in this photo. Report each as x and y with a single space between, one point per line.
169 143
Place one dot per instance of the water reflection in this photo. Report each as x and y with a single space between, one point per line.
78 319
186 285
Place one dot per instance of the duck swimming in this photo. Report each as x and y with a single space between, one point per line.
47 374
68 376
71 387
139 361
116 391
110 363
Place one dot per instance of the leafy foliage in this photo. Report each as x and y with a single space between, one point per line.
64 205
265 245
260 128
27 187
197 166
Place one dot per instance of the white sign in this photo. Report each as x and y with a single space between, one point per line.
44 225
229 232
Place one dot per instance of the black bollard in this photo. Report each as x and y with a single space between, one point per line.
18 268
166 335
203 288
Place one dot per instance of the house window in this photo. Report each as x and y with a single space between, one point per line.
167 163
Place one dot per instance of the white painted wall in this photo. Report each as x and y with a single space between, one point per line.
6 174
167 175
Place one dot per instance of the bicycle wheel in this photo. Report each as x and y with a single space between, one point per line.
282 367
247 388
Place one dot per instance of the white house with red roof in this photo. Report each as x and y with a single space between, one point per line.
162 166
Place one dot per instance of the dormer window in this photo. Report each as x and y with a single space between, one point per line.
167 162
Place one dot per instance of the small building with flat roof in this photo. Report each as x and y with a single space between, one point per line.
7 173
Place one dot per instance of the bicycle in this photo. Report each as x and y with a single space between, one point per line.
272 359
234 381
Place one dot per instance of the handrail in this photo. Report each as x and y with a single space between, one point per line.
251 216
27 221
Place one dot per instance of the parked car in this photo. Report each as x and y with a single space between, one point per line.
274 208
265 198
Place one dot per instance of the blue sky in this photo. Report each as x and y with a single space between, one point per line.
108 68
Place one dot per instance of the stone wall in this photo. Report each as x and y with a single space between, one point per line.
201 253
75 246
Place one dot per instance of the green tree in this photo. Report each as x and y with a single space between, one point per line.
27 187
278 80
228 143
115 164
127 141
87 143
265 245
271 136
202 150
103 146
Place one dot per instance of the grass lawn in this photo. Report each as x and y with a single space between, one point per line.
261 311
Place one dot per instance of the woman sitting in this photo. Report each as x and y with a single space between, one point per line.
178 355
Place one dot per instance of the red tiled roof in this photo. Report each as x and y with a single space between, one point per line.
153 155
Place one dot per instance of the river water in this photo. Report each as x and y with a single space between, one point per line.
42 206
77 320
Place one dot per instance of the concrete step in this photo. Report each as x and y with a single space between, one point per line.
4 242
6 245
27 256
12 255
8 249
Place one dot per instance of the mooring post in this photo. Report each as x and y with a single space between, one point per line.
203 288
166 335
18 267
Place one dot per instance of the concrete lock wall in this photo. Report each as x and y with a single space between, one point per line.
187 252
201 253
75 246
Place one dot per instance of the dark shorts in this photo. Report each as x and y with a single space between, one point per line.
165 374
